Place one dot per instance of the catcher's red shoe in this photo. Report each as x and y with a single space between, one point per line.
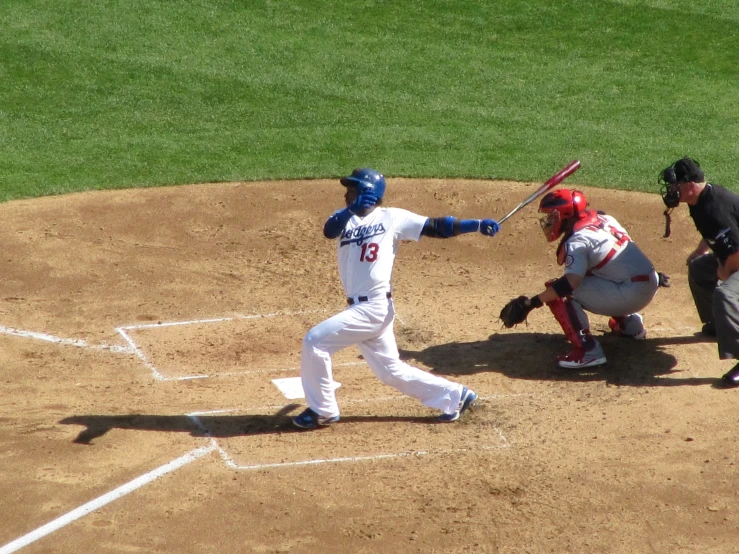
615 327
579 358
634 323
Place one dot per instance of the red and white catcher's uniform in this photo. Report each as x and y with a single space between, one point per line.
366 254
618 278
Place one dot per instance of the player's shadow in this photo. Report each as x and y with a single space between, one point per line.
210 426
533 356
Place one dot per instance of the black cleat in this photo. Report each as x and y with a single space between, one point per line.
731 377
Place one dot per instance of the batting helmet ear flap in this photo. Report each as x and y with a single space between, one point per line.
579 203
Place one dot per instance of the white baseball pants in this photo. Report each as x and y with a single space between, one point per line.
369 325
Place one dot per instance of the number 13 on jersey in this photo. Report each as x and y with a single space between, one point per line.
369 252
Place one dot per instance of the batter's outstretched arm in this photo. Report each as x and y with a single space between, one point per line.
447 227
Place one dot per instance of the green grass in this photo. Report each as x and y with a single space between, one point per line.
117 94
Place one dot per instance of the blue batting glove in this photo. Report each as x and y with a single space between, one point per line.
363 202
489 227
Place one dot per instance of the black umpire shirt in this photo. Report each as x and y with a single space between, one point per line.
716 216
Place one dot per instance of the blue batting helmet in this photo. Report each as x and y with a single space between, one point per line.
367 180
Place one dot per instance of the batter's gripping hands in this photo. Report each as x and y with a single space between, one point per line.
489 227
363 202
517 310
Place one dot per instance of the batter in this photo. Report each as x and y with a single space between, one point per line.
368 237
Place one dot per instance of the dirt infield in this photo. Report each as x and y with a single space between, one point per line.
148 339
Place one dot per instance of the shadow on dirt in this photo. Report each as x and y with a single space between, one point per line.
533 356
213 426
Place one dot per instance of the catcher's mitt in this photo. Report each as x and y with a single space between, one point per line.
517 310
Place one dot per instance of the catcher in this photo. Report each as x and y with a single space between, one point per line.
605 273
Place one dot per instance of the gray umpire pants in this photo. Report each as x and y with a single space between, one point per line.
716 302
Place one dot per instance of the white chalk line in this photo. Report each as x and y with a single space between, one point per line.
132 347
79 343
107 498
230 462
233 465
394 398
213 445
128 350
193 455
216 319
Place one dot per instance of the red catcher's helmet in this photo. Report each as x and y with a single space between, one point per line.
560 206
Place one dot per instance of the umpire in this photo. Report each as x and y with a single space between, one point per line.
713 267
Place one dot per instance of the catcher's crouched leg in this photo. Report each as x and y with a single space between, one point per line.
586 351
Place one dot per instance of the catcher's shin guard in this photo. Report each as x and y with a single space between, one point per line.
586 352
574 332
565 315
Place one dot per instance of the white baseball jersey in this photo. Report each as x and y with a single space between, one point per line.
367 248
366 253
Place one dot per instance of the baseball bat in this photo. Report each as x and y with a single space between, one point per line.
550 183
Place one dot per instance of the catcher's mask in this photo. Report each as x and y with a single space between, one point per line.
559 207
366 179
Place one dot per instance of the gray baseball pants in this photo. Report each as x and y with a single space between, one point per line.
717 302
610 298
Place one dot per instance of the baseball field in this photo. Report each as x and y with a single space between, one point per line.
166 173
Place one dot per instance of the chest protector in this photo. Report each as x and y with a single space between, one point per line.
593 220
